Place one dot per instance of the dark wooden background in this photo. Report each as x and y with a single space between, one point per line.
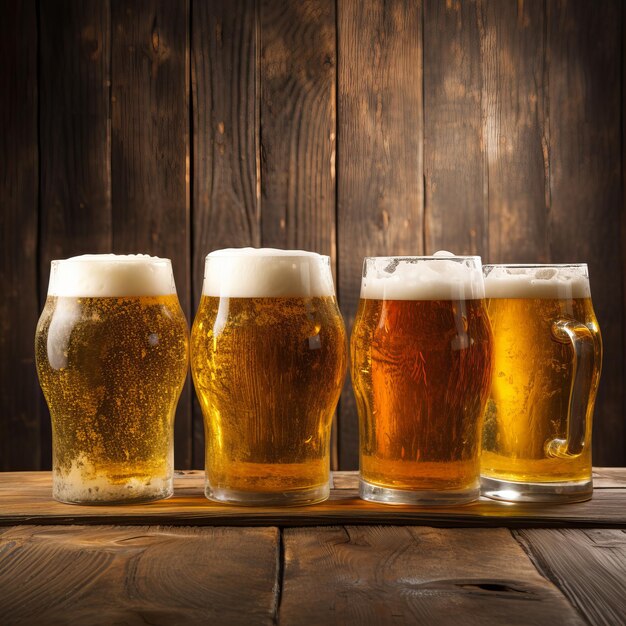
348 127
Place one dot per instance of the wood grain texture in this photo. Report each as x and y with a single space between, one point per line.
297 109
623 212
584 48
19 187
141 575
74 140
384 575
515 129
380 194
455 177
74 130
150 150
589 566
224 68
609 477
226 178
26 499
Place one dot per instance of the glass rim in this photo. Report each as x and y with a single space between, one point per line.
268 256
118 259
316 256
452 257
535 265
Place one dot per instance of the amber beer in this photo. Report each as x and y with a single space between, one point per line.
111 352
421 368
268 361
548 352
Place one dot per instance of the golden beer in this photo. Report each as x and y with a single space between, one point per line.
111 368
268 371
421 370
538 420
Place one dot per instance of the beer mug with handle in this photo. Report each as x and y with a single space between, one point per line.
268 357
421 369
111 352
547 361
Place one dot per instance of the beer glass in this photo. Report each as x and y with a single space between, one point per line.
268 357
421 369
111 353
548 354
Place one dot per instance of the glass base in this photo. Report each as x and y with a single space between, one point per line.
137 499
574 491
424 497
296 497
101 491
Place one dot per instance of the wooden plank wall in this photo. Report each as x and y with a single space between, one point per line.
347 127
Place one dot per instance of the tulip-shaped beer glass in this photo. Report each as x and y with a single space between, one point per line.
111 350
268 356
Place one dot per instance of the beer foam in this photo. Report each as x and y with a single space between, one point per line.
81 483
439 277
111 275
567 281
267 273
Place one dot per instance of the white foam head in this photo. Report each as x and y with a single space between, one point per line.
537 281
111 275
442 276
267 273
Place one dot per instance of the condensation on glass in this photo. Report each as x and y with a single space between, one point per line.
111 349
548 358
421 359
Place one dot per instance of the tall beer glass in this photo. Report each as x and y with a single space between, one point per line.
268 350
111 351
548 354
421 368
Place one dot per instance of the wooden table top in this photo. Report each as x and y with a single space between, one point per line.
189 561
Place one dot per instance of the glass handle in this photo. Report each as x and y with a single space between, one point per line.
582 341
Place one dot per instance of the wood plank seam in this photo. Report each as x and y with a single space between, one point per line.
545 127
41 407
480 20
194 410
38 254
335 438
541 570
623 214
280 575
335 443
589 566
